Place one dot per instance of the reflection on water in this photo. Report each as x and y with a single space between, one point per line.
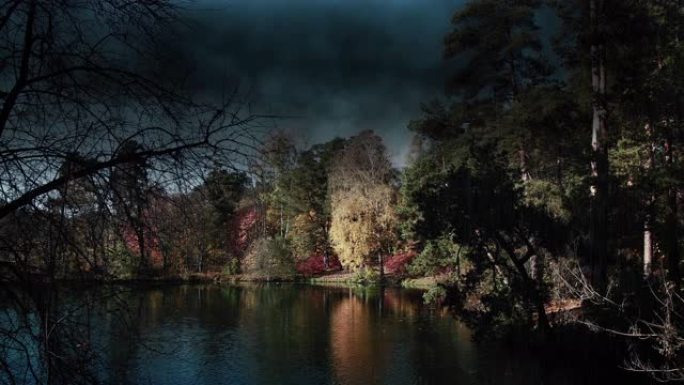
298 334
355 351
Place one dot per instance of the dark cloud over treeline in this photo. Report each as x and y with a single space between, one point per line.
333 67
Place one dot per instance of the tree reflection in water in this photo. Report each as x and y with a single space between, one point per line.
293 334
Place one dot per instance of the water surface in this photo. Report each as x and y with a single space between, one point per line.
291 334
298 334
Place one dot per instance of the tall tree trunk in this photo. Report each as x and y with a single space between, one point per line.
382 268
515 90
326 245
648 204
598 248
282 222
143 263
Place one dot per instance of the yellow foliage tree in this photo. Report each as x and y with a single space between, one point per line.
362 201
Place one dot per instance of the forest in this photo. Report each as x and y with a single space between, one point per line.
541 194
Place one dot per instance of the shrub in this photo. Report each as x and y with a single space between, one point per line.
366 276
434 295
122 263
232 267
437 255
314 265
398 263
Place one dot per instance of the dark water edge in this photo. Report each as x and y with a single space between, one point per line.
286 333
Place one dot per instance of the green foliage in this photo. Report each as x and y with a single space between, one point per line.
223 191
232 267
308 198
548 197
296 192
434 295
366 276
308 180
437 255
500 44
627 158
501 311
122 263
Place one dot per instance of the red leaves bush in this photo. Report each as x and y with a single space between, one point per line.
393 265
314 265
396 264
243 229
151 241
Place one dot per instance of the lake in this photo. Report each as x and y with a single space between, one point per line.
300 334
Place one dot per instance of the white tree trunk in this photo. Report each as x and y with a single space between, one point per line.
648 249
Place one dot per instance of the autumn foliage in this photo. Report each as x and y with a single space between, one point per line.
152 245
314 265
243 227
396 264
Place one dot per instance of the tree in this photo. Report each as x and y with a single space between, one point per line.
308 197
82 77
362 200
78 214
461 190
223 190
500 45
486 182
130 189
649 105
598 222
280 157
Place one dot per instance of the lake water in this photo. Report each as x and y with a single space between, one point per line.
300 335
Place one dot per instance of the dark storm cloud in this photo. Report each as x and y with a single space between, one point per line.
337 67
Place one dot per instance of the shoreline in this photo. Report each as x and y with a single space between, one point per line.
334 280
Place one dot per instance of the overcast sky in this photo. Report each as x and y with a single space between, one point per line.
334 66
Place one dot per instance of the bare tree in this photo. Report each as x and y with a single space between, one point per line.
654 334
80 80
